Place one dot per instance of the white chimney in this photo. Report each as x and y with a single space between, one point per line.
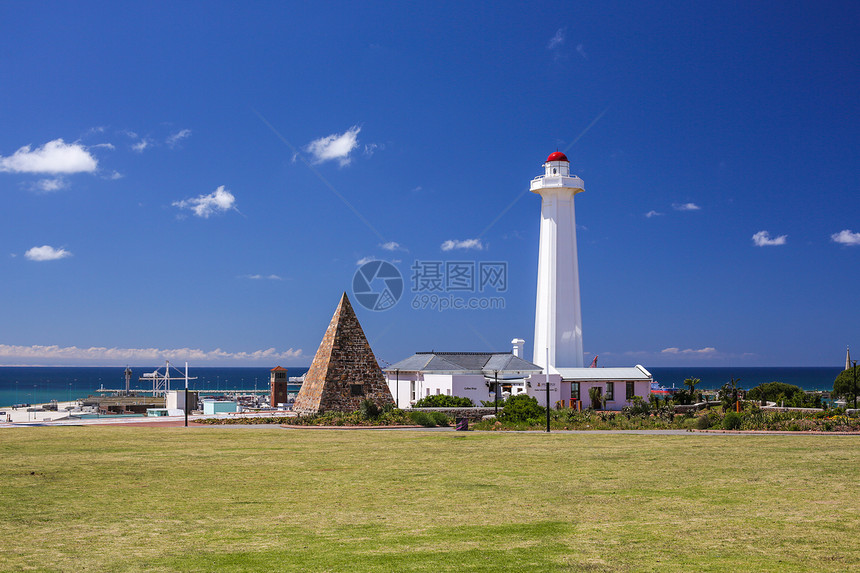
518 347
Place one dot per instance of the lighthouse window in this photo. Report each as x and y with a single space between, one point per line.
356 389
553 171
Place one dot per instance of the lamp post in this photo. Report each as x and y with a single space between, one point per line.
547 390
496 377
855 384
186 395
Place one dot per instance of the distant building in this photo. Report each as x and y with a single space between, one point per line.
470 375
278 386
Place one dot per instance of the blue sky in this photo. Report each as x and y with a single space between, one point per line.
201 181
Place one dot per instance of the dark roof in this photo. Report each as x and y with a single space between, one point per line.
461 362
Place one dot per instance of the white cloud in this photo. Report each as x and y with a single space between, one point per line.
365 260
846 237
371 148
452 244
140 355
174 139
685 207
556 40
219 201
580 49
334 146
392 246
105 145
263 277
652 213
763 239
140 145
709 350
114 176
55 156
48 185
46 253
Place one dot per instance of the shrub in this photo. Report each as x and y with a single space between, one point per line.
422 419
520 408
639 407
732 421
443 401
439 418
595 394
703 422
369 410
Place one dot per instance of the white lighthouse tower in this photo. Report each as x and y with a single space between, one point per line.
558 320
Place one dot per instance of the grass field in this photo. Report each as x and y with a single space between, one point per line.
269 499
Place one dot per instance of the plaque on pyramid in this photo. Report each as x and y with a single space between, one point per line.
344 371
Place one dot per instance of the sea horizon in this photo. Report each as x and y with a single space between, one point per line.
42 384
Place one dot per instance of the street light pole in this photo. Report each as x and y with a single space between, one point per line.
547 390
186 394
496 393
855 384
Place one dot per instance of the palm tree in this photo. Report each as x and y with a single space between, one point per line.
729 393
691 384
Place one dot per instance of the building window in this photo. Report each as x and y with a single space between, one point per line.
438 391
428 391
412 391
448 391
574 390
356 389
630 390
610 391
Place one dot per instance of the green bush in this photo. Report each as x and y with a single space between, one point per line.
732 421
703 422
422 419
439 419
369 410
520 408
639 407
443 401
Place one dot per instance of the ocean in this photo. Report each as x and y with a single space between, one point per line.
39 384
808 378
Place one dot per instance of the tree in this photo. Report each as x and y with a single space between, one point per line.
729 393
777 391
691 384
596 396
844 385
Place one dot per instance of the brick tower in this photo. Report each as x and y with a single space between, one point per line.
344 371
278 385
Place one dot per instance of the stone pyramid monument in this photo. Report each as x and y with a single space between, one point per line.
344 371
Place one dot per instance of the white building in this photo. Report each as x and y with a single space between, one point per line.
558 353
470 375
558 317
570 387
558 320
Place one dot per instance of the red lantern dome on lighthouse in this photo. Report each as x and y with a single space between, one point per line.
557 156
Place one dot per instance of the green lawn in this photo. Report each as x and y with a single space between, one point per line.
261 499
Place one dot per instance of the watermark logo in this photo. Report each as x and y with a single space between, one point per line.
377 285
444 285
435 285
